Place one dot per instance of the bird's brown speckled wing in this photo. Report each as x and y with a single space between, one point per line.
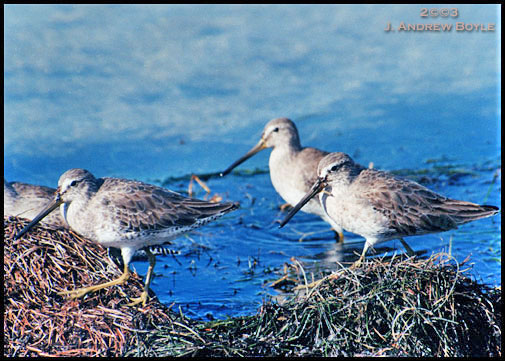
32 191
27 200
140 206
414 209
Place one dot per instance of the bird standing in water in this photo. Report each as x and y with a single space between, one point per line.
293 168
381 207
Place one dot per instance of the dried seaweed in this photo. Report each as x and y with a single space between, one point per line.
397 306
39 322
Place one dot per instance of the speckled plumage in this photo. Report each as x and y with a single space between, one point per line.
27 200
293 168
127 214
380 206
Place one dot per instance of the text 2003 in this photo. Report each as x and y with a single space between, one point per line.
453 12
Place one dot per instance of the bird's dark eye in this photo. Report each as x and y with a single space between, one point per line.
334 168
276 130
73 183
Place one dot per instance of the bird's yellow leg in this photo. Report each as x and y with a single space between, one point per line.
357 264
144 295
284 206
339 236
200 182
361 258
410 251
82 291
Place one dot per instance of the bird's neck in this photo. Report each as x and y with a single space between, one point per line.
284 153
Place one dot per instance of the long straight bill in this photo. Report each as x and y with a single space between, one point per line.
316 188
49 208
258 147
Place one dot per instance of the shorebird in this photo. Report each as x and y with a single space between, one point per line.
27 200
380 206
128 215
293 168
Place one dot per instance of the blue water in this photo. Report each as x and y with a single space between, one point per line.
157 93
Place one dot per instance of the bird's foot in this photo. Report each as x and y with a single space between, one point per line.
357 264
77 293
136 300
200 182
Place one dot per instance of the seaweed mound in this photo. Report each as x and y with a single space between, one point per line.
38 322
398 307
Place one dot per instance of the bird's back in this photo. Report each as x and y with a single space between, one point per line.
126 207
414 209
27 200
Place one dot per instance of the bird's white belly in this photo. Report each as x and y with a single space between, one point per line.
352 214
292 194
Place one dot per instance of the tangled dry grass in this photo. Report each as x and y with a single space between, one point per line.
399 307
39 322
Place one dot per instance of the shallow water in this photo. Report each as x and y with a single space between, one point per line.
157 93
